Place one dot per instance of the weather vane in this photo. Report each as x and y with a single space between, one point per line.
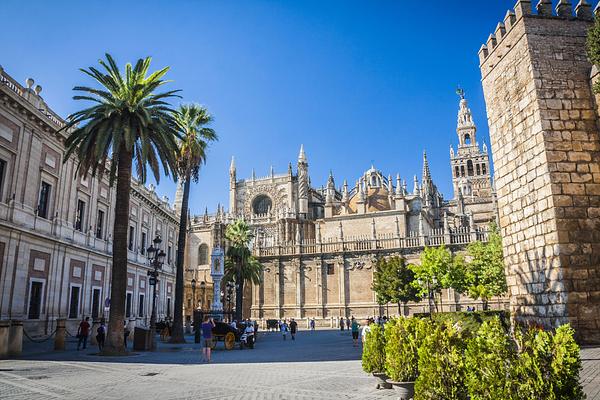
460 92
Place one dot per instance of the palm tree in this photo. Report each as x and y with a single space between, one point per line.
195 137
128 124
241 266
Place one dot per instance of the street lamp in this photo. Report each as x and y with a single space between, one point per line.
202 288
194 294
230 287
155 257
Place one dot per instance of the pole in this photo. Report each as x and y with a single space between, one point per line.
153 316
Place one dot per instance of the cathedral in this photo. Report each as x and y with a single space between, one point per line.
318 245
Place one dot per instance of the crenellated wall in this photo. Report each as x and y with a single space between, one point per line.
545 144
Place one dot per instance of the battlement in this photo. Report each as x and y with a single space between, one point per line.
564 10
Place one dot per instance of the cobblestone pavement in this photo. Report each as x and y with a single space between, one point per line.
319 365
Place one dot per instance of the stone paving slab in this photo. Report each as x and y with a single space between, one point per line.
320 365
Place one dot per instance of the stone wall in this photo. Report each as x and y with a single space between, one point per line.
544 135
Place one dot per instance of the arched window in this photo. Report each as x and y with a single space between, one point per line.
470 167
467 139
462 170
483 169
203 254
456 172
478 169
262 204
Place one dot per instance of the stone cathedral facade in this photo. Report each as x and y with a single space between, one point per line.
319 245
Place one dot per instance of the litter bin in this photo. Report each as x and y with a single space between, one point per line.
141 339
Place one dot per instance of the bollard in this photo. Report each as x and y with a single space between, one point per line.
4 329
59 338
15 338
95 325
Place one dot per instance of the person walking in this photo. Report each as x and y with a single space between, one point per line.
101 334
342 323
354 327
366 329
284 329
82 332
207 327
293 328
312 324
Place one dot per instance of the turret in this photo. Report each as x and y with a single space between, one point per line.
303 184
232 187
329 196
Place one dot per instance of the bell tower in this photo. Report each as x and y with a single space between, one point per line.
470 164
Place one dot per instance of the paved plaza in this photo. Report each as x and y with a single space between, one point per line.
318 365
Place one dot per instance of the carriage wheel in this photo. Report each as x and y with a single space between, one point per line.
229 340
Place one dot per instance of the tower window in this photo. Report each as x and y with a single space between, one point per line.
462 170
470 167
483 169
456 172
203 254
478 169
467 139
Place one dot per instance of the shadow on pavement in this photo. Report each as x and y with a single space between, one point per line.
317 346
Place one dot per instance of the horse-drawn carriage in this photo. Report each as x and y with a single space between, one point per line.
223 332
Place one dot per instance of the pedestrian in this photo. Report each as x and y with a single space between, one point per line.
126 332
82 332
366 329
293 328
347 323
312 324
207 327
342 323
354 327
101 334
284 329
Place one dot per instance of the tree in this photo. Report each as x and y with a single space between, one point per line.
393 282
593 49
195 137
128 123
485 276
242 266
437 271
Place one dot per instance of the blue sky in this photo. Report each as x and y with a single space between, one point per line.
357 82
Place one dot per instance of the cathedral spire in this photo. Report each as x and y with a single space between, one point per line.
465 127
232 165
426 172
301 155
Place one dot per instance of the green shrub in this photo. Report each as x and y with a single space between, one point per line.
550 365
403 337
471 321
489 361
441 365
566 364
373 357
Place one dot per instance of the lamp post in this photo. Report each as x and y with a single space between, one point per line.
202 289
193 297
156 257
230 287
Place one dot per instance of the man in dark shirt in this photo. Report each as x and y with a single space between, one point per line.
207 327
83 332
293 328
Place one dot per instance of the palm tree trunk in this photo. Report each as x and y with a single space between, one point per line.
239 293
114 337
177 332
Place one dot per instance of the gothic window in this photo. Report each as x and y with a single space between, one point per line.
483 171
456 172
462 170
262 204
470 167
467 139
203 254
478 169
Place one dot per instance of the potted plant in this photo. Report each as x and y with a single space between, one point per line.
373 357
403 337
